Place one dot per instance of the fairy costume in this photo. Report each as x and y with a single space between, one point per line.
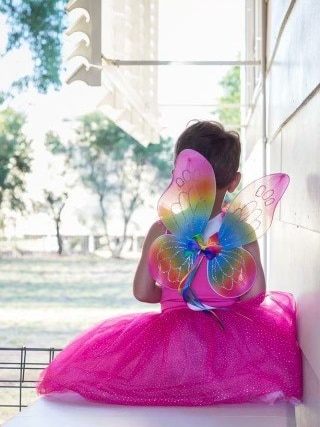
206 346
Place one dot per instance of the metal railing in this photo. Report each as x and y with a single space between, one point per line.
19 372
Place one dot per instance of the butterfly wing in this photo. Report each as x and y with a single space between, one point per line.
186 205
170 260
232 273
250 214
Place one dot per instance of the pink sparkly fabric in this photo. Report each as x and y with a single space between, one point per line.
182 357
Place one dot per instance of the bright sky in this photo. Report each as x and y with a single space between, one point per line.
188 30
196 30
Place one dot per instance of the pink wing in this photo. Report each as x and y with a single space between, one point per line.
232 273
170 260
250 214
185 207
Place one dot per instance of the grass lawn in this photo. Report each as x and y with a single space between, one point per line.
46 301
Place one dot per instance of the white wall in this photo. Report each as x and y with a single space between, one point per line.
293 132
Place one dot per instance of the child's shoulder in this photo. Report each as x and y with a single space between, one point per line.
156 230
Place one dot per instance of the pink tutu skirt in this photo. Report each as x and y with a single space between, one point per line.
181 357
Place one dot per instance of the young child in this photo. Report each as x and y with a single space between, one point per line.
203 348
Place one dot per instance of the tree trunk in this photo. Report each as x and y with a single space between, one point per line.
116 253
104 220
59 238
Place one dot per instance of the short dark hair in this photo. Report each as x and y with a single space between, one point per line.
220 147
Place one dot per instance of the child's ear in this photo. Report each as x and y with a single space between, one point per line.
234 183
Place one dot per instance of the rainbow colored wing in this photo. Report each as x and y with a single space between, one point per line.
232 273
186 205
170 260
250 214
185 208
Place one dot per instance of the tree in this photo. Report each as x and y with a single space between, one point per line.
53 204
117 169
55 196
90 155
56 204
40 24
15 159
139 173
230 84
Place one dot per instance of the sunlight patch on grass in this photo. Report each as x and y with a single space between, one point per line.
46 301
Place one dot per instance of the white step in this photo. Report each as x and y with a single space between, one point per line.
47 412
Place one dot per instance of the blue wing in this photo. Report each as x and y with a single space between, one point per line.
232 273
250 214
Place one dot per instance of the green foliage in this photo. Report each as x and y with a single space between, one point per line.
93 152
230 84
117 169
40 24
102 151
15 159
160 156
54 144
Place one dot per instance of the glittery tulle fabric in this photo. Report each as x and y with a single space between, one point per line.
181 357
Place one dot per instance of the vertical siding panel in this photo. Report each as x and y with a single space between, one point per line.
294 72
294 138
293 131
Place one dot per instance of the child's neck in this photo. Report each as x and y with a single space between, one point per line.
217 207
215 212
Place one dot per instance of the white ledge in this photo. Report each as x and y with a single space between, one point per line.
53 413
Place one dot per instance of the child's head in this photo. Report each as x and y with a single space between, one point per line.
220 147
